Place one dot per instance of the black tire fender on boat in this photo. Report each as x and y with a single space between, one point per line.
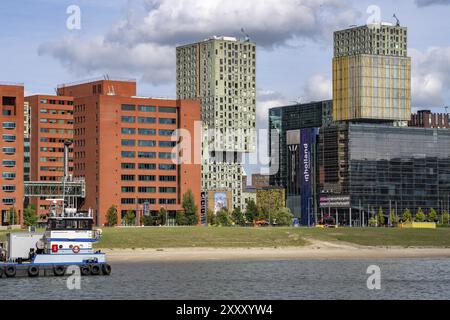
95 269
106 269
33 271
59 271
10 271
85 270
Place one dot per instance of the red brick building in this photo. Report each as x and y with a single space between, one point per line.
427 119
12 153
123 148
51 125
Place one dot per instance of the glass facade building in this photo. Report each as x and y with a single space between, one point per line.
380 166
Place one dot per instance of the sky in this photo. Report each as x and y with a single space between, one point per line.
43 44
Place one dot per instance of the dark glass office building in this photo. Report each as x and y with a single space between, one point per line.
294 151
364 167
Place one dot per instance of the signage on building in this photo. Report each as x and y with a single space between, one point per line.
335 201
204 207
307 142
146 209
220 201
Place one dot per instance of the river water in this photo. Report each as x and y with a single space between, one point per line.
261 280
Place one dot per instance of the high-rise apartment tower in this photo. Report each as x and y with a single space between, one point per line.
221 73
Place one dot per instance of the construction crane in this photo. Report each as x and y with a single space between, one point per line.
398 21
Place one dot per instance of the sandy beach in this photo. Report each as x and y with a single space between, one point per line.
316 250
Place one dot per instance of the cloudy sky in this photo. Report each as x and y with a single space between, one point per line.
137 39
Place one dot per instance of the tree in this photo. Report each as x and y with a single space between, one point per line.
190 209
223 218
162 216
129 218
394 218
380 217
373 222
406 216
432 216
238 217
29 216
211 217
251 213
111 216
420 216
283 217
147 221
445 217
181 219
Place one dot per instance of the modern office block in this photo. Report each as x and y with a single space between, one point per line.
371 74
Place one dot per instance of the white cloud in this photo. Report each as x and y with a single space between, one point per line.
267 99
317 88
426 3
144 43
430 76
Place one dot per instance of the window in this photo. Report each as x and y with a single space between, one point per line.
168 109
147 109
167 144
9 201
146 120
128 154
167 178
147 143
128 131
166 133
167 121
163 166
167 155
9 125
147 178
167 190
128 177
128 166
147 166
128 107
127 201
146 155
147 132
167 201
128 189
146 189
9 163
9 137
128 143
128 119
8 175
9 188
8 150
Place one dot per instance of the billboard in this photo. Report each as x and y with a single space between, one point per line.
204 208
220 201
308 139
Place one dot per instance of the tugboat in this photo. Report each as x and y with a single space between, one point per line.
67 241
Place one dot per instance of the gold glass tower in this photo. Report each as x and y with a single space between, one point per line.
371 74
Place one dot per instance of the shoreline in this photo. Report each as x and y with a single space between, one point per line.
317 250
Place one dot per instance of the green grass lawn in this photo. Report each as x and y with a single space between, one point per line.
268 237
265 237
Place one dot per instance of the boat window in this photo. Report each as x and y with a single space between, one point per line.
72 224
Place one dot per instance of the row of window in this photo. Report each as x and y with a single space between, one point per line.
149 166
59 131
60 112
132 177
148 143
151 120
132 107
9 125
148 155
150 201
51 101
147 132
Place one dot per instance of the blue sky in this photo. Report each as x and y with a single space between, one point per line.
137 39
